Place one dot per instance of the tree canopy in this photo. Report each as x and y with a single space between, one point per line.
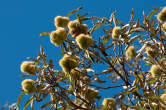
98 54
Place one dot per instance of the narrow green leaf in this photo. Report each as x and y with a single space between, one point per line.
62 50
137 23
73 82
23 75
44 34
19 98
148 64
106 39
95 28
72 12
83 16
134 107
96 17
32 105
139 29
114 21
152 13
90 56
27 103
120 22
132 13
98 26
46 105
112 15
145 18
132 90
86 18
141 76
132 16
152 81
127 92
78 18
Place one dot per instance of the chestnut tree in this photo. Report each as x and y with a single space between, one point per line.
99 54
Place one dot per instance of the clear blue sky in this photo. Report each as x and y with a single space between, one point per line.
21 20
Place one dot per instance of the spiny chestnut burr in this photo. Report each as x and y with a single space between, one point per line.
161 16
151 52
116 32
76 28
61 21
28 86
57 37
108 104
84 41
130 52
155 71
29 67
68 63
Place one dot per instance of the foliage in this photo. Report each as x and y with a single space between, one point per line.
127 52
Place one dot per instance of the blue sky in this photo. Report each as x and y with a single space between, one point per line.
21 20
